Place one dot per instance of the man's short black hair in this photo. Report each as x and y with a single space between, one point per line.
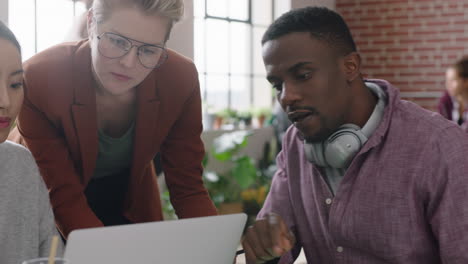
322 24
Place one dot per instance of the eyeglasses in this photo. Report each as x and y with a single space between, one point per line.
114 46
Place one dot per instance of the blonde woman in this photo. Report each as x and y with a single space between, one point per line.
26 219
96 112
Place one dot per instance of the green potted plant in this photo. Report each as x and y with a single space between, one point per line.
225 116
245 117
262 113
226 188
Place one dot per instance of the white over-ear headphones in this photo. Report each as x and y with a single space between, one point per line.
339 149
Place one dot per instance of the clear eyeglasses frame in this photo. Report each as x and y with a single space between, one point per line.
114 46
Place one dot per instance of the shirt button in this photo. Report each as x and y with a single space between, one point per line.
328 201
339 249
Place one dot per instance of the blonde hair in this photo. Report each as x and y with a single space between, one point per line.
171 9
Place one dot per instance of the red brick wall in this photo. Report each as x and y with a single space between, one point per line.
409 42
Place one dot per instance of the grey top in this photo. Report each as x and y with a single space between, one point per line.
26 220
115 154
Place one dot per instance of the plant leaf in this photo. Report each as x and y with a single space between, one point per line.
211 176
228 144
244 171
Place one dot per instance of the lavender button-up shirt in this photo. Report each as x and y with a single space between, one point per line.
403 199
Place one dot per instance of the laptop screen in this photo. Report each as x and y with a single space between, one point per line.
204 240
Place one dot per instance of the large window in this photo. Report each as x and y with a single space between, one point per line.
227 43
228 52
39 24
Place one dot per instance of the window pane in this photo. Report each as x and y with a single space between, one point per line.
217 88
199 44
261 12
199 8
240 92
218 8
281 7
259 67
53 26
80 8
201 80
239 9
240 48
21 22
217 45
263 93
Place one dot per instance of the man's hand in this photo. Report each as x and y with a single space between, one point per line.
267 239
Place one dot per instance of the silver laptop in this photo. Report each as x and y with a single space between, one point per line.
203 240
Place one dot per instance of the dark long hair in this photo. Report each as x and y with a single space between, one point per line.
461 66
5 33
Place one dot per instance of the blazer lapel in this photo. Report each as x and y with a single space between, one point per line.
146 120
84 111
85 117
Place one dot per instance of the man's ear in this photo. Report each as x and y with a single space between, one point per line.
352 66
90 23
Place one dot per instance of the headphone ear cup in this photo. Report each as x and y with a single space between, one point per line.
314 153
341 148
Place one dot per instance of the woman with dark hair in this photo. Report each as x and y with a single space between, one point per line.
26 220
453 104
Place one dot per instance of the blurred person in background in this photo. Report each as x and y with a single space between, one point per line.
453 104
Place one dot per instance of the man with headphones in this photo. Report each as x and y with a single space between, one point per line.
363 176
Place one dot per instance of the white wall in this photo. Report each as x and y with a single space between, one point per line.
303 3
4 11
181 39
281 7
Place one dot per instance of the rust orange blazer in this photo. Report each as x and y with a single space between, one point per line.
58 124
